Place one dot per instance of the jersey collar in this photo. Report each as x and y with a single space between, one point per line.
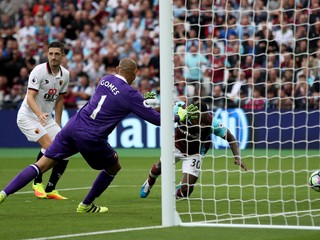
121 77
50 71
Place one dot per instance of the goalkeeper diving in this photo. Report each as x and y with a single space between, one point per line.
192 141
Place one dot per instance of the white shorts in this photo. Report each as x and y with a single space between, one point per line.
33 130
190 164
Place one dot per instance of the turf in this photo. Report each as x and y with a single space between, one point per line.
22 216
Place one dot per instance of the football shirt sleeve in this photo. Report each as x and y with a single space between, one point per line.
34 79
139 106
218 129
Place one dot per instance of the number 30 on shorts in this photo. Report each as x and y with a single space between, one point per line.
195 163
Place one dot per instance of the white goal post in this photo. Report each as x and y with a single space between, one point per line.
269 101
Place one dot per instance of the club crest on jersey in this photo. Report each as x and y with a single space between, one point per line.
34 80
46 81
60 82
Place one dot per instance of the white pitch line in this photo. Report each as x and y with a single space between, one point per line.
95 233
82 188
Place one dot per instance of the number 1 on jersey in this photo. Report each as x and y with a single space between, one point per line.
98 108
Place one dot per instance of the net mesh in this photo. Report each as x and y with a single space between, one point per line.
256 66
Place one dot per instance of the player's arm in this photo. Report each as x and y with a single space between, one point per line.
140 107
235 150
149 97
221 131
31 100
58 109
179 111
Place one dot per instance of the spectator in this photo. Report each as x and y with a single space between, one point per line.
28 30
302 93
67 18
284 35
273 40
154 63
272 101
99 12
69 99
22 79
217 100
237 79
256 102
179 9
95 71
6 21
55 29
285 102
41 5
217 70
82 91
13 99
4 89
195 62
244 27
136 28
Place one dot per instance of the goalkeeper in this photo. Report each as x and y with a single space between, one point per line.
192 141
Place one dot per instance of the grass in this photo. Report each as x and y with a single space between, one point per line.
22 216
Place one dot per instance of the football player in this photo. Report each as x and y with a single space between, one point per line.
192 141
46 85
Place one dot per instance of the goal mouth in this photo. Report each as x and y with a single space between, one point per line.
262 87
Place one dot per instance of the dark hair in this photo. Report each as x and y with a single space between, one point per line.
57 45
201 106
83 74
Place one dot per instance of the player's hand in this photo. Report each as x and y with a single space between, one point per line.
149 95
190 112
43 118
241 163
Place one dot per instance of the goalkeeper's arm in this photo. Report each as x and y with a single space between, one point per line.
235 150
181 114
149 98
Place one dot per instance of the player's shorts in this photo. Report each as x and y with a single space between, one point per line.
33 129
190 164
98 153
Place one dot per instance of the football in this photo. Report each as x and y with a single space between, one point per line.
314 181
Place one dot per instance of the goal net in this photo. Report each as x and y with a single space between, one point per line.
256 65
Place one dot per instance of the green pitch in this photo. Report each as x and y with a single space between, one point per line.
22 216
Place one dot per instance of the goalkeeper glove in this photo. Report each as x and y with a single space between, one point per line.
149 95
189 113
177 105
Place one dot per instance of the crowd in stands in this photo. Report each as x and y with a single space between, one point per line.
253 54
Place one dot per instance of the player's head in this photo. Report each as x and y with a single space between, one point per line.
128 69
202 107
55 54
203 112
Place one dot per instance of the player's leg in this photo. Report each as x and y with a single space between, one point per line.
55 176
154 173
100 184
35 132
186 185
26 176
191 166
99 156
37 185
38 179
57 171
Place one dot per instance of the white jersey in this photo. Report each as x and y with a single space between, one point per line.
49 88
